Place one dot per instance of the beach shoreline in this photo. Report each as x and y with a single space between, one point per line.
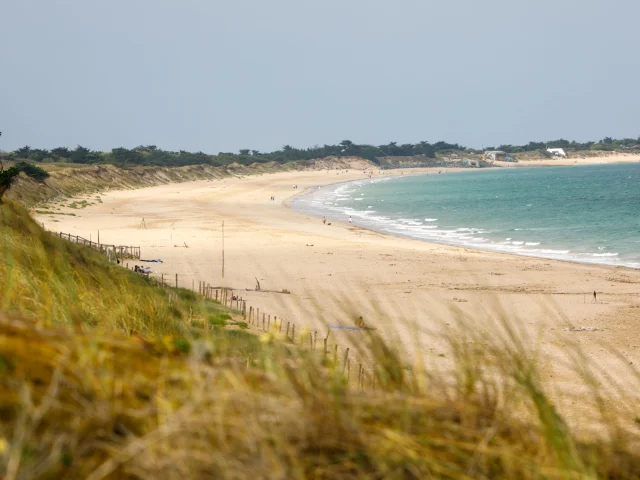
297 203
405 288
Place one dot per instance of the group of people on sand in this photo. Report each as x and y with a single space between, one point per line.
324 220
273 198
142 270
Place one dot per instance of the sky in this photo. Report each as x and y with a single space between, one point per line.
218 76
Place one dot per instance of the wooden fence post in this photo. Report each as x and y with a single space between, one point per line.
288 324
263 321
335 354
293 334
162 280
176 280
346 359
325 348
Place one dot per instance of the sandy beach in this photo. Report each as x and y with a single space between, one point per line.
577 161
336 273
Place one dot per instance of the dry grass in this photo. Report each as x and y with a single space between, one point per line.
91 388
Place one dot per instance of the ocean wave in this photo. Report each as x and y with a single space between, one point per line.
330 202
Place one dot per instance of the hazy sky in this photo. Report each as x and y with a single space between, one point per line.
218 75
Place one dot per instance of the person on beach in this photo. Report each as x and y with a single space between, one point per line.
324 220
350 220
595 297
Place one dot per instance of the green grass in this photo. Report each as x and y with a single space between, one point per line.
103 375
45 278
79 204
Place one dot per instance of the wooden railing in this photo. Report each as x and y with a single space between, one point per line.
111 251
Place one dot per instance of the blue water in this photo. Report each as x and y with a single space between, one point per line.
587 214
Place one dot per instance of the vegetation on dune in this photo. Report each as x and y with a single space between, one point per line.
103 376
51 281
9 175
607 144
151 155
32 171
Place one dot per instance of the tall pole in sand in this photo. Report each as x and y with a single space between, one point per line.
223 249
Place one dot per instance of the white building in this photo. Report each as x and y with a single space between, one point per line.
557 152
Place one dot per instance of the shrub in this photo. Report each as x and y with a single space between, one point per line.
32 171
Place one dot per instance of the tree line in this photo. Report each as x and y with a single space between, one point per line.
151 155
606 144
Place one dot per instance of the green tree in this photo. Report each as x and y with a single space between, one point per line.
24 152
6 178
39 155
125 156
83 155
62 152
32 171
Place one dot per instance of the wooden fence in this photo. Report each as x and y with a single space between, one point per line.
293 334
111 251
341 357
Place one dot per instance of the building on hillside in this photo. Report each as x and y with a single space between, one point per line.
467 162
557 152
498 156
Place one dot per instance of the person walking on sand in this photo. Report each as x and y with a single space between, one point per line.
350 220
595 297
324 220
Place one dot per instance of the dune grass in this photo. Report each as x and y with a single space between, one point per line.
101 376
51 281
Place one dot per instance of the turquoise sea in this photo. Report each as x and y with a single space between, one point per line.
586 214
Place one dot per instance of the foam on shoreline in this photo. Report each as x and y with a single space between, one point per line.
327 200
